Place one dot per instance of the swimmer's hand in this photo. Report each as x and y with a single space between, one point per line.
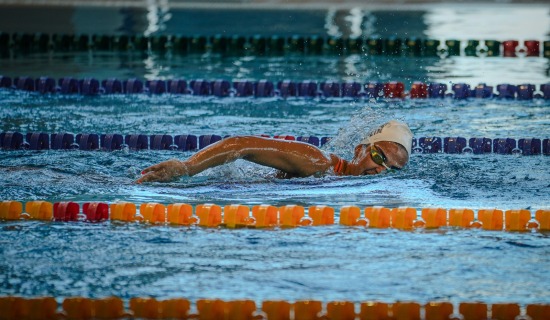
163 172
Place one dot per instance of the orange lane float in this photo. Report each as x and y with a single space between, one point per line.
85 308
210 215
154 213
179 308
236 216
181 214
462 218
291 216
403 217
39 210
108 308
341 310
374 310
438 310
543 218
211 309
240 309
225 310
150 308
307 309
491 219
265 216
123 211
11 210
434 217
473 310
378 217
32 308
351 216
146 308
321 215
276 309
78 308
405 310
505 311
516 220
538 311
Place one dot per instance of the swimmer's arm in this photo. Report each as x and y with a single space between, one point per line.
296 158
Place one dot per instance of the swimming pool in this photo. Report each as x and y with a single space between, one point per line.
326 263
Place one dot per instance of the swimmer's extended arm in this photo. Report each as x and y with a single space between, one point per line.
295 158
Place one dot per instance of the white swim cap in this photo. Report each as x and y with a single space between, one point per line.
394 131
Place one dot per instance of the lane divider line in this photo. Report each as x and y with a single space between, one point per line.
14 307
221 88
273 45
267 216
188 142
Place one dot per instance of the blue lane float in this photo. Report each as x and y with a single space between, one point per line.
263 89
177 86
69 86
161 142
136 141
87 141
206 140
330 89
243 88
45 85
111 86
63 141
189 142
89 86
186 142
480 145
284 88
454 145
36 141
111 142
200 87
11 140
132 86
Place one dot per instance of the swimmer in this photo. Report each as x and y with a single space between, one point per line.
386 148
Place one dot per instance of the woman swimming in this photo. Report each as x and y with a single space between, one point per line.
386 148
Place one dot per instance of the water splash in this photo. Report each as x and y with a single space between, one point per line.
361 124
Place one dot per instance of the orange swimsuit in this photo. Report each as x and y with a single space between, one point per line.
339 167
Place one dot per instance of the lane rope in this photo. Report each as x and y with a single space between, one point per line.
273 45
267 89
10 141
113 307
267 216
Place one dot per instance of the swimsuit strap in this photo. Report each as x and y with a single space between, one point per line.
339 167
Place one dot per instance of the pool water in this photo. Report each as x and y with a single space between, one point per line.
325 263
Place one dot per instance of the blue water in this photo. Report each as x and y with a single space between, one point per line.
326 263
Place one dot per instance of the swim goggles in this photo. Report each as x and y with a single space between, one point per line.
379 158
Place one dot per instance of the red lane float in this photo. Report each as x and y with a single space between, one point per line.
65 211
95 211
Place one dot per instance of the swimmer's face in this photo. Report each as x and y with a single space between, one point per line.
394 155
